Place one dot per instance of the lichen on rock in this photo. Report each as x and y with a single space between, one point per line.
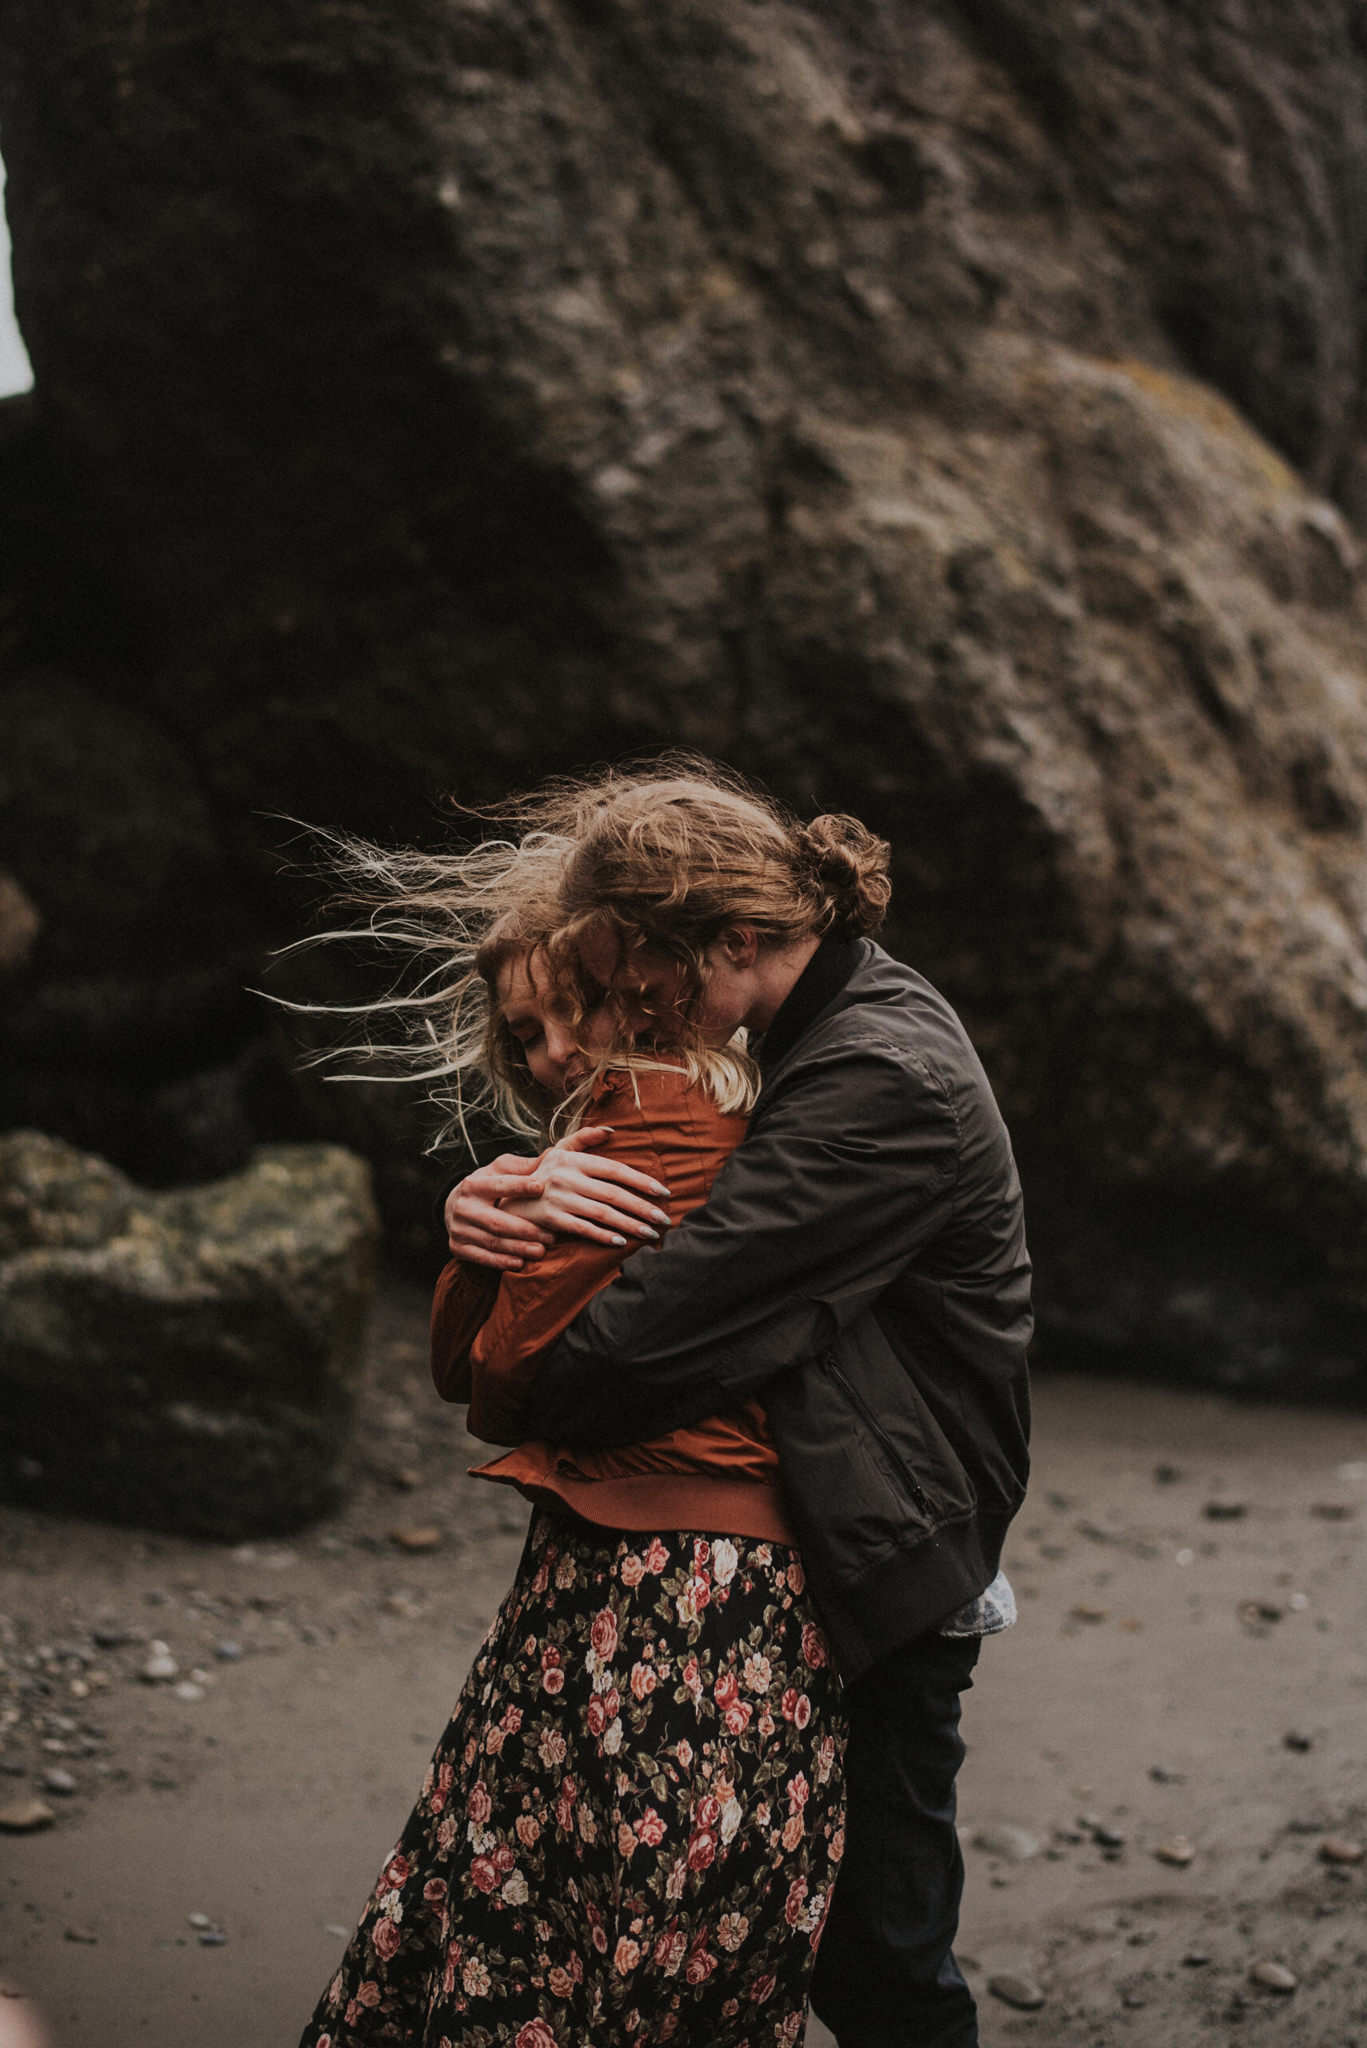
185 1359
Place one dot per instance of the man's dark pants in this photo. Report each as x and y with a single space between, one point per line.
885 1974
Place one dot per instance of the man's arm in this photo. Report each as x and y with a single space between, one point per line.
849 1173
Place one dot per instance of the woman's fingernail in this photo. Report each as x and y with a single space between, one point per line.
660 1217
618 1240
657 1189
646 1231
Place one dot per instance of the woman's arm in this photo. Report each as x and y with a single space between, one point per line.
674 1135
461 1304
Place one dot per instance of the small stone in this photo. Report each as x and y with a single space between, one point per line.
160 1668
1224 1510
26 1816
1090 1613
1273 1976
198 1920
1013 1987
61 1782
1297 1739
1107 1837
78 1689
424 1538
1134 1999
1179 1852
1332 1510
1167 1475
188 1690
1335 1849
407 1479
1161 1775
1015 1845
1195 1959
83 1934
400 1603
227 1652
212 1937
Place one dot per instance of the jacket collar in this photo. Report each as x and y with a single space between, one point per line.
819 983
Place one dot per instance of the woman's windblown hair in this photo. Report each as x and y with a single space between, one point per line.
662 856
445 924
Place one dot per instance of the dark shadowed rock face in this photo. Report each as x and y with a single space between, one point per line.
185 1360
953 413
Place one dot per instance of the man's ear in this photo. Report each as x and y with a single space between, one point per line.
740 943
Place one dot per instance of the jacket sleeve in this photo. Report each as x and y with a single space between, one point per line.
669 1133
850 1173
462 1301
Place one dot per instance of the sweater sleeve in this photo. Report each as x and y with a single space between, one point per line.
462 1301
661 1126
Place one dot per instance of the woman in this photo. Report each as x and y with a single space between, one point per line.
630 1828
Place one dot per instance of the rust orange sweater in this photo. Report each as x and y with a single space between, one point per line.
490 1331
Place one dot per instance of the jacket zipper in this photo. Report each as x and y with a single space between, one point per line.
863 1410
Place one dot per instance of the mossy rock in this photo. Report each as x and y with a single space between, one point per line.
187 1360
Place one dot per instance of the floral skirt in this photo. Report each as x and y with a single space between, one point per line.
631 1826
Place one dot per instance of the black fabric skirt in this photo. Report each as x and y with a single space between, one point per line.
631 1827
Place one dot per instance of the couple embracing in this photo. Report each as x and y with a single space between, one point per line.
753 1327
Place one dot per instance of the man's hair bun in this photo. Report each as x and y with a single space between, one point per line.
848 866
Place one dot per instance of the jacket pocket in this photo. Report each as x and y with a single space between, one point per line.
849 1393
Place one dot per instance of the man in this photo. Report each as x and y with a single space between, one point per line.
861 1265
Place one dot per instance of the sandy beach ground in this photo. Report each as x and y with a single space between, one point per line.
1165 1787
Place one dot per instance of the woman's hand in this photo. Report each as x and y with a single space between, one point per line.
507 1214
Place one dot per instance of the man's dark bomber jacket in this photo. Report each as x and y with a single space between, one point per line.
860 1264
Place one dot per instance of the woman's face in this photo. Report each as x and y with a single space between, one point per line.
558 1053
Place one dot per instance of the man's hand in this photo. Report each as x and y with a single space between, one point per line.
507 1214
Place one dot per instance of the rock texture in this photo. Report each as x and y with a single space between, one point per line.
953 412
184 1360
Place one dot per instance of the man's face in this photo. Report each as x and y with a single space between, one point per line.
652 988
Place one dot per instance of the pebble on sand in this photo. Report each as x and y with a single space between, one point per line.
61 1782
1273 1976
26 1816
1013 1987
160 1669
1297 1739
1334 1849
416 1539
1016 1845
82 1934
1179 1852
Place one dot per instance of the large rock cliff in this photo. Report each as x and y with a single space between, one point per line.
952 412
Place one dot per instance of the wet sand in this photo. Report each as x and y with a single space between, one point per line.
1191 1589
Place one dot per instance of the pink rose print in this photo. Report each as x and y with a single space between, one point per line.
650 1828
814 1653
536 2034
657 1557
603 1633
384 1939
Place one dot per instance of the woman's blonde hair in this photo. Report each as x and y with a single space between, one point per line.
449 923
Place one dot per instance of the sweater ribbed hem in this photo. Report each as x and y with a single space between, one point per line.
662 1501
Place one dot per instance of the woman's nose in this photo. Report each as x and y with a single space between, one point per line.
560 1045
